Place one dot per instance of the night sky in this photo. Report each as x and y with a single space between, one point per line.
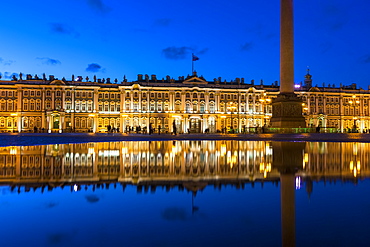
235 38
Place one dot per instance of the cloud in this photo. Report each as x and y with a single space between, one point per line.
365 58
6 62
325 47
335 16
163 22
201 52
51 204
98 5
178 53
94 67
49 61
92 198
9 75
63 29
174 214
247 46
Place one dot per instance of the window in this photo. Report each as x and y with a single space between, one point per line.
48 104
58 93
48 93
25 105
10 105
212 108
187 107
68 105
32 105
202 108
77 106
195 107
38 105
177 106
68 93
25 93
89 106
143 107
83 106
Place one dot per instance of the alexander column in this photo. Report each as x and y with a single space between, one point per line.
287 107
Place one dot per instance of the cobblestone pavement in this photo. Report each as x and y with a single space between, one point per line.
28 139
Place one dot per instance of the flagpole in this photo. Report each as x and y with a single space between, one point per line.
192 63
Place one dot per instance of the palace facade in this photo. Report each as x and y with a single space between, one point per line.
190 104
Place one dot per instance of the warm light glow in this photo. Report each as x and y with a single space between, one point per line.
13 150
223 149
91 150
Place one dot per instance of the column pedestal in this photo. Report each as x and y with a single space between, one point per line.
287 112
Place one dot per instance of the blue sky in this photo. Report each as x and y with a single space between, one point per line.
236 38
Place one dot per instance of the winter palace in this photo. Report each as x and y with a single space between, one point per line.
187 104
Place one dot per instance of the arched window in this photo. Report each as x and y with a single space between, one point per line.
202 108
177 106
187 107
212 108
25 105
10 105
32 105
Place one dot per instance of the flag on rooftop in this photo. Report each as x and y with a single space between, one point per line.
195 58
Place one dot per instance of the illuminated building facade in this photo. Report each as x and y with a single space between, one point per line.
189 104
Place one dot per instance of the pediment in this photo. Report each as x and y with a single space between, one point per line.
194 80
57 82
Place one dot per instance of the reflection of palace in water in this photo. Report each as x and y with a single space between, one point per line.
167 162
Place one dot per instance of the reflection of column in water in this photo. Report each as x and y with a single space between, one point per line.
287 196
287 158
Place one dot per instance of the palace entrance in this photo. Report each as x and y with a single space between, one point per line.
56 122
195 125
